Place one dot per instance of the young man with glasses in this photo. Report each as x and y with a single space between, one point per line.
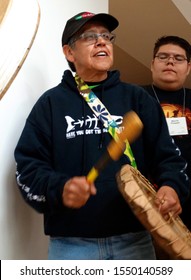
170 68
64 137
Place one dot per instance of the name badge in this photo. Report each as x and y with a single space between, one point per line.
177 126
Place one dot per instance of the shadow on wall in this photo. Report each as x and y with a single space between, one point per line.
132 71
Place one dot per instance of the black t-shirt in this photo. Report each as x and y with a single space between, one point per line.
178 104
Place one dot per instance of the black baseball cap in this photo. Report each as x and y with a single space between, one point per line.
76 22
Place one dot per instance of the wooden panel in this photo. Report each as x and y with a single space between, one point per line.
3 8
17 33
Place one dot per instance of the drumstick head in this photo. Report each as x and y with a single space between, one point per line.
132 127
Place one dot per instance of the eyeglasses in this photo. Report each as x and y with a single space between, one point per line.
177 58
91 38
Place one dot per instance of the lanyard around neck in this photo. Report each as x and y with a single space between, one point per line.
102 114
184 99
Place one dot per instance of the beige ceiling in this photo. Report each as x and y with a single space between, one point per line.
141 23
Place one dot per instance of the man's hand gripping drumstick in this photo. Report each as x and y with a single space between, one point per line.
77 190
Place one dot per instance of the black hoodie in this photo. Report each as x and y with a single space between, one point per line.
62 138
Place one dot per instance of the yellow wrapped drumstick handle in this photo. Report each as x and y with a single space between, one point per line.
92 175
132 128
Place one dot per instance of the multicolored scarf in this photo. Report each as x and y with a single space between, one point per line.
103 115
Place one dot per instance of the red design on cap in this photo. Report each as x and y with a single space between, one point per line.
85 15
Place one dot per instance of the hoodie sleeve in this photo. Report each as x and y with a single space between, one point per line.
40 185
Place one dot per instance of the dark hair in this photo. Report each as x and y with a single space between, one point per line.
72 66
175 40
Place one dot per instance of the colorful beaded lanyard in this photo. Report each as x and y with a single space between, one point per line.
103 115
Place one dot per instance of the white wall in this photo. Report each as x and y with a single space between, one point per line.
21 234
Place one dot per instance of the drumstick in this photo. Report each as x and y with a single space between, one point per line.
131 131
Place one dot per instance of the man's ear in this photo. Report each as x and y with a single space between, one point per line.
68 53
189 68
152 62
